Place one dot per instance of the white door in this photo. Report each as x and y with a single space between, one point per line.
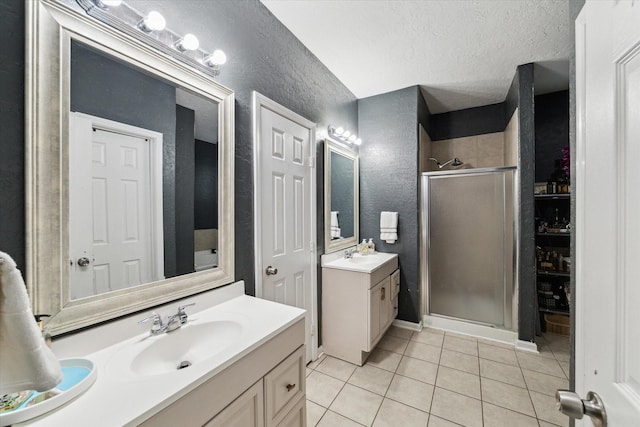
285 210
111 243
607 337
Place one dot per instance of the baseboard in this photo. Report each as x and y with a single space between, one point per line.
407 325
530 347
472 329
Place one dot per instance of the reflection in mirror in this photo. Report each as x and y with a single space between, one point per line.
342 190
341 197
143 176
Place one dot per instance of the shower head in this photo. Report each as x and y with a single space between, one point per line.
454 162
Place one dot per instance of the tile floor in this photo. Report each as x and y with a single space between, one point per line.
436 379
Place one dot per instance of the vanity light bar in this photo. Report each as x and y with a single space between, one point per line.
152 29
343 135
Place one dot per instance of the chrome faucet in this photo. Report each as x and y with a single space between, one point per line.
174 321
348 254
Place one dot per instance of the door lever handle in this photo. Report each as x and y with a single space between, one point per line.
271 271
570 404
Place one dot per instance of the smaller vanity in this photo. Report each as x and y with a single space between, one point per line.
359 303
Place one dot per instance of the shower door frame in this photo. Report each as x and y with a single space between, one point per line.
424 239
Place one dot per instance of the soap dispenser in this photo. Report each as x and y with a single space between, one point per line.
363 247
372 246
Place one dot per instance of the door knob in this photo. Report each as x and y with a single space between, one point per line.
271 271
83 262
570 404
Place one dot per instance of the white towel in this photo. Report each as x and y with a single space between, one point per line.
334 219
26 362
389 226
335 232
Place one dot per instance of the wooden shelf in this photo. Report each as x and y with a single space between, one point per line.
553 196
552 311
553 273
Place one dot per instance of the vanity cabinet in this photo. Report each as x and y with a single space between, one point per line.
358 308
266 388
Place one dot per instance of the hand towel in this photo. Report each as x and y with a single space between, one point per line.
26 362
389 226
335 228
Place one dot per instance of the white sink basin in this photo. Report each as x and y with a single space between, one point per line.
366 259
174 351
361 263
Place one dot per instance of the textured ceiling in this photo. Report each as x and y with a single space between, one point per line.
463 53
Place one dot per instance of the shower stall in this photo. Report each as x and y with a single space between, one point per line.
468 247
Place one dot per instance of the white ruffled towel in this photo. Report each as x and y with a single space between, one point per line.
389 226
26 362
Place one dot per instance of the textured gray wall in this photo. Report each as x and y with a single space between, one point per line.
520 96
12 209
468 122
184 189
206 182
552 131
263 56
388 125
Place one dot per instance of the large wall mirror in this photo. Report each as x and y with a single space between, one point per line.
130 172
341 197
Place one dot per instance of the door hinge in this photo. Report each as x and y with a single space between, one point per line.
313 330
312 162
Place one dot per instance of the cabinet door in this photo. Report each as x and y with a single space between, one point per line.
385 304
246 411
375 295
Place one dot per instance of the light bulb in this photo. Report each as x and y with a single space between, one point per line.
217 58
188 42
154 21
339 130
352 139
358 141
346 134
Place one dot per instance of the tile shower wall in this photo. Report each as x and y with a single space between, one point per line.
478 151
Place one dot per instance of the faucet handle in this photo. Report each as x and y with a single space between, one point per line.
182 315
157 324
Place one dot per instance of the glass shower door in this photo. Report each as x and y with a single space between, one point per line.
470 245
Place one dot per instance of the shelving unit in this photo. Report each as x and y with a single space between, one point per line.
553 256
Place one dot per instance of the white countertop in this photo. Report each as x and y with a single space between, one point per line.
120 398
359 263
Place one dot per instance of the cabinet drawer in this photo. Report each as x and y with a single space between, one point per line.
283 386
297 417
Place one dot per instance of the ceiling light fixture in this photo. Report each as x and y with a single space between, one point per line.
343 135
151 29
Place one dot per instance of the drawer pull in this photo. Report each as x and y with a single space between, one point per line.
382 291
290 387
